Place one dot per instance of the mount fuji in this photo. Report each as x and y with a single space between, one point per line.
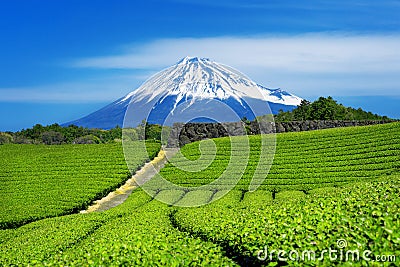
194 89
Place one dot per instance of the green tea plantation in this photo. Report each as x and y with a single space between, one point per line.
331 197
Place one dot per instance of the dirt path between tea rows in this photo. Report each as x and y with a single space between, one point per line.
118 196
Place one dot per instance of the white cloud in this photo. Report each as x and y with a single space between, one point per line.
312 53
44 94
293 4
103 89
309 64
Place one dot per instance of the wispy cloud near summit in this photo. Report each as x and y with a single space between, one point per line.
321 53
358 58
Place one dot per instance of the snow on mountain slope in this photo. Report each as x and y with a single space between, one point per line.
201 78
188 87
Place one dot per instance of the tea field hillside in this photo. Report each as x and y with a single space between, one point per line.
39 181
302 161
335 189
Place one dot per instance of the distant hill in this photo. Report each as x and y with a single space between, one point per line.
326 109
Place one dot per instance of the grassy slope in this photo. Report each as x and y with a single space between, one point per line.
303 160
366 215
39 181
138 232
146 231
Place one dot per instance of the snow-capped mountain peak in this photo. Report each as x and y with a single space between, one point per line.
201 78
186 90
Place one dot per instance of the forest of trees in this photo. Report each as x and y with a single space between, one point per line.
321 109
55 134
326 109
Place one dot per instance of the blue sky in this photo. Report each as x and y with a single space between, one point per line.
61 60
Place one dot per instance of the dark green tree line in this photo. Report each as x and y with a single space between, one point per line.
326 109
